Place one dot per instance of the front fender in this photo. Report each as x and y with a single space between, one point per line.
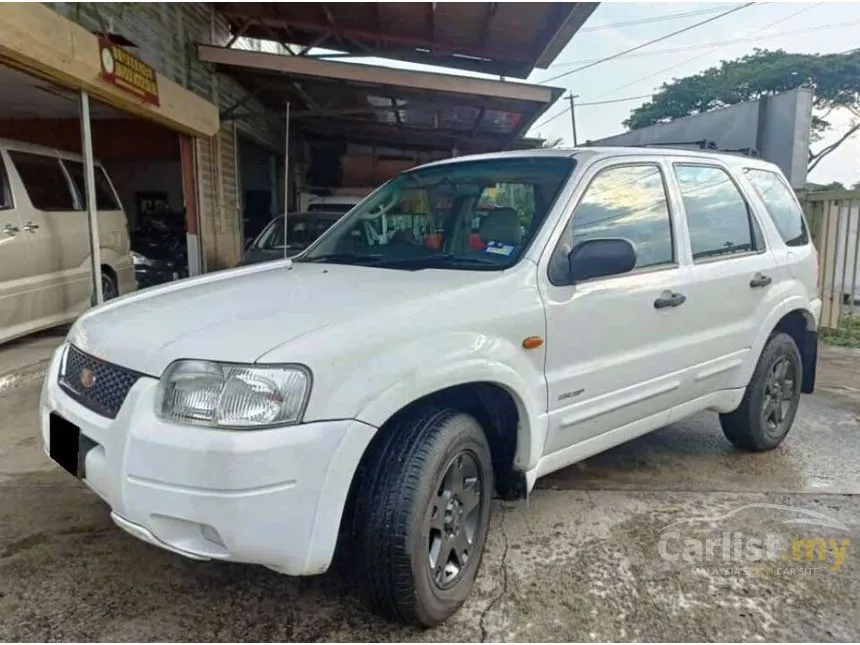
387 383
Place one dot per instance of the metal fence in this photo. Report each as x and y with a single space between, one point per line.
834 222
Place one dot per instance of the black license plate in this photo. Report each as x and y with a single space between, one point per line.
64 444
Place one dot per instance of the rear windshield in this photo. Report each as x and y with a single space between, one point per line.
780 204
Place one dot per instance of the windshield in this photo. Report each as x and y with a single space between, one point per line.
476 215
301 232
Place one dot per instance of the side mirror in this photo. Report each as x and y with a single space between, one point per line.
600 258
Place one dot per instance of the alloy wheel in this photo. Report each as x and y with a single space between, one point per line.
454 517
779 394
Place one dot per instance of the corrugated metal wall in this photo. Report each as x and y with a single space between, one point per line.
166 35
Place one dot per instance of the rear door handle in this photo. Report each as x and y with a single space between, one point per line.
670 299
30 227
10 229
760 280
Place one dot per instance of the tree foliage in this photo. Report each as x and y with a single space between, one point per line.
835 79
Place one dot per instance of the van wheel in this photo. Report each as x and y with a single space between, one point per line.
421 515
770 403
109 288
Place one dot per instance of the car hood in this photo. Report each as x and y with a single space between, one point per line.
240 314
253 256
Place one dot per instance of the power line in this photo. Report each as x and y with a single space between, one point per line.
710 51
734 41
650 42
550 119
589 103
684 62
626 98
645 21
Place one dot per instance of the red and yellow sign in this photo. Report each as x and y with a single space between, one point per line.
128 72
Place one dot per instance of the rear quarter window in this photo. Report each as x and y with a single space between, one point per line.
780 204
106 200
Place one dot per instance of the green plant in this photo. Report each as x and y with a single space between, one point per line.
834 77
847 335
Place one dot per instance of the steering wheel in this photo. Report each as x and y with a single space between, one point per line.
385 206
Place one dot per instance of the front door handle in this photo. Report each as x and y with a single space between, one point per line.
10 229
30 227
760 280
670 299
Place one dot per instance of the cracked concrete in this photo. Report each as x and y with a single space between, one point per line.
581 561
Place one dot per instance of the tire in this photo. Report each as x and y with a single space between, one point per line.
109 287
413 470
767 410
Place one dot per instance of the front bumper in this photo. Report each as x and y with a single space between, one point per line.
271 497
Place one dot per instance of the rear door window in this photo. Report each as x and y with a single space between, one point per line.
45 181
106 200
780 204
718 217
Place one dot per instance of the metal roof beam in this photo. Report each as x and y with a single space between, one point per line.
382 76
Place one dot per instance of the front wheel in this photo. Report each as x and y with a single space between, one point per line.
422 514
770 403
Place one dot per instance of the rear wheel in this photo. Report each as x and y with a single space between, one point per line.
422 513
770 403
109 288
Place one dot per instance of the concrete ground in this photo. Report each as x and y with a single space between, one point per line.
581 561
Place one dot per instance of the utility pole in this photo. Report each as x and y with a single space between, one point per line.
570 98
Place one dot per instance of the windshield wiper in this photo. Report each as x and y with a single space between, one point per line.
346 258
444 260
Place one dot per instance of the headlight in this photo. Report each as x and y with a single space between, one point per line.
228 395
139 260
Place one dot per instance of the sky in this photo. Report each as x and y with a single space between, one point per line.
645 70
824 27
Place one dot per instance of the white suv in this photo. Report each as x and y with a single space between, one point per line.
377 390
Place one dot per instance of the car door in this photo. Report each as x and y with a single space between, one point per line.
55 231
616 345
733 271
15 271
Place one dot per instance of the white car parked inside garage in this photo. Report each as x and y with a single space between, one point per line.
382 385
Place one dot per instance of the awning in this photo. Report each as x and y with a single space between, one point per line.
504 38
385 106
39 41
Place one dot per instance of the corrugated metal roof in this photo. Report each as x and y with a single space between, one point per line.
501 38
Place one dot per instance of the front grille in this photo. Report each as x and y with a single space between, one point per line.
97 385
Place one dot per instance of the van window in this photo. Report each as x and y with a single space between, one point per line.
45 181
718 217
105 198
780 204
5 191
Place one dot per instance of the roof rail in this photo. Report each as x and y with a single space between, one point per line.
701 144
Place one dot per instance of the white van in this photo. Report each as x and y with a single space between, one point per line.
44 239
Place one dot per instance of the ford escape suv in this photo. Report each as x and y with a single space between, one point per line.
372 394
